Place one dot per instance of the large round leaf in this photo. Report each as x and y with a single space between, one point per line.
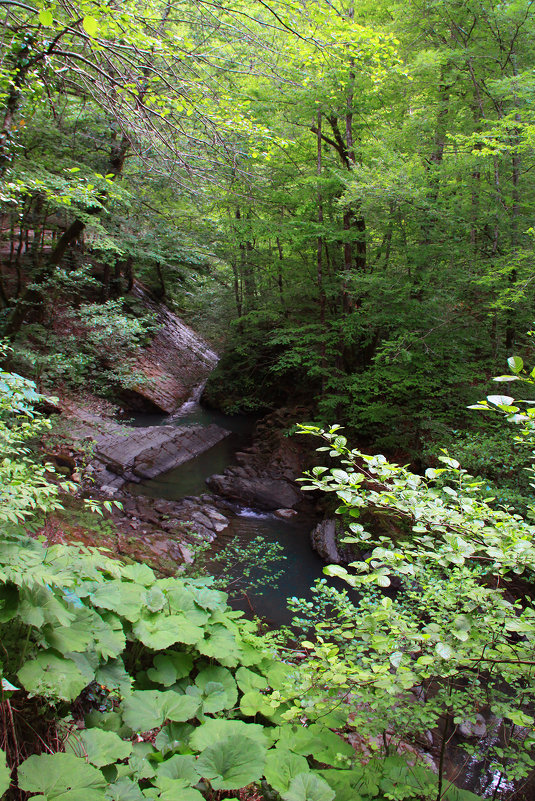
220 644
219 689
232 763
180 766
308 787
219 729
148 709
61 776
52 675
170 667
282 766
158 631
124 790
173 737
248 680
5 773
98 746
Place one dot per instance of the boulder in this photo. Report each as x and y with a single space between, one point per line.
256 491
323 538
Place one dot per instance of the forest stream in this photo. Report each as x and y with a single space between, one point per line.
297 563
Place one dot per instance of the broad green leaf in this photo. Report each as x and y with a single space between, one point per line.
181 599
175 791
170 667
147 709
249 680
219 729
5 773
308 787
119 596
99 747
173 737
113 676
444 650
179 708
178 767
90 25
282 766
139 574
158 631
225 698
500 400
155 600
46 17
124 789
61 776
220 644
210 599
74 637
232 762
332 748
107 629
143 710
54 676
300 740
253 703
516 364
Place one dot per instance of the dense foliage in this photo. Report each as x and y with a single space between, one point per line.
342 194
349 185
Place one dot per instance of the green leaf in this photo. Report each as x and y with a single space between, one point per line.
74 637
99 747
232 763
219 729
139 574
217 700
253 703
5 773
46 17
113 676
61 776
178 767
173 737
299 739
155 600
220 644
121 597
308 787
90 25
147 709
516 364
500 400
170 667
159 632
443 650
52 675
282 766
124 789
249 680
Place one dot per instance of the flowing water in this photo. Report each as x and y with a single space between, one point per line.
297 562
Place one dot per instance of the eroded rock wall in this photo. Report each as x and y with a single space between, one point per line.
176 362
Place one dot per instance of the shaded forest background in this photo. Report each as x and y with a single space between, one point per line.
338 195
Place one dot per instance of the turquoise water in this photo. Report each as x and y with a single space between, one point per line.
299 563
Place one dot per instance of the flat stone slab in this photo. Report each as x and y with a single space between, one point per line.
139 453
123 453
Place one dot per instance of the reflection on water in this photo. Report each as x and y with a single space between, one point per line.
299 563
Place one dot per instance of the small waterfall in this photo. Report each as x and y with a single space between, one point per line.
192 403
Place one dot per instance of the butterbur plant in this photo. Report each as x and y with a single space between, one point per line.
153 688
